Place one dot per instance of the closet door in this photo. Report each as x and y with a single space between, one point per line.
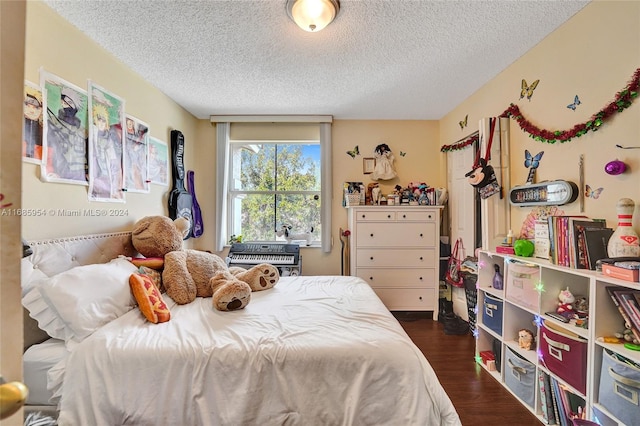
462 211
462 203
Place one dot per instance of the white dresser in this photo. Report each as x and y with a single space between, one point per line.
396 250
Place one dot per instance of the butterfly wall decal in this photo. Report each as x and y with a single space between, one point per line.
355 151
528 90
532 164
593 193
530 161
402 154
463 123
574 105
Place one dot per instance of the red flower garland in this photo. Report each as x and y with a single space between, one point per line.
622 101
459 145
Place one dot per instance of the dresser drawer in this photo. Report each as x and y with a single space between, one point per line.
411 234
396 258
376 216
405 277
413 216
408 299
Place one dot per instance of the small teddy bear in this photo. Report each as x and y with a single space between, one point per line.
188 274
565 305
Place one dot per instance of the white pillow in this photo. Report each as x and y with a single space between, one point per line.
73 304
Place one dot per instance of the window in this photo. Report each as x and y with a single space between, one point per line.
271 171
272 184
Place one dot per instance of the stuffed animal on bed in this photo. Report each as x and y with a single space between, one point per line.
188 274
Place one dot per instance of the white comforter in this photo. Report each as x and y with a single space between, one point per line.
311 351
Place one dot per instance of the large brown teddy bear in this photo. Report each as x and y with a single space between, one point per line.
189 274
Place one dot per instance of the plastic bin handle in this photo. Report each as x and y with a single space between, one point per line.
624 380
555 344
515 367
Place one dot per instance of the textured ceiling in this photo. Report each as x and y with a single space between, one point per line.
380 59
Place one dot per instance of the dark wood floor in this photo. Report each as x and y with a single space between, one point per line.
479 399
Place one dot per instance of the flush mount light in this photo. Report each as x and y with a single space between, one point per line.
312 15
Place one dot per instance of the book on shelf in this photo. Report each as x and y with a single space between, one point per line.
546 399
562 414
627 299
596 241
612 290
554 403
541 239
577 226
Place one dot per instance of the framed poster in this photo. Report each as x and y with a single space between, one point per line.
106 111
135 162
368 165
65 129
158 172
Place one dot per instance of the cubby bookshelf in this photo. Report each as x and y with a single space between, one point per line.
548 279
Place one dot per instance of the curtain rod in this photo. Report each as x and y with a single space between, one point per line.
271 118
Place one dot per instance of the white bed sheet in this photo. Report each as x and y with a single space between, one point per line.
37 361
316 350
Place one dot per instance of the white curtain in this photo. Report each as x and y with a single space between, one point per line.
327 185
222 183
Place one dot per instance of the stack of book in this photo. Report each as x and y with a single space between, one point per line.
559 405
577 241
627 300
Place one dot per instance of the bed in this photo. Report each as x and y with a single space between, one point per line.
312 350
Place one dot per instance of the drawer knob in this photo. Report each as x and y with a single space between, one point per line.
420 278
421 235
371 278
372 235
429 216
420 297
404 216
371 257
363 216
389 216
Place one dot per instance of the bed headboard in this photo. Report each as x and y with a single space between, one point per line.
57 255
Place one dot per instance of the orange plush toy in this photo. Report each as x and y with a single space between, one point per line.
149 298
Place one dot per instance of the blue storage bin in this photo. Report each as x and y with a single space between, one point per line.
492 313
519 376
619 390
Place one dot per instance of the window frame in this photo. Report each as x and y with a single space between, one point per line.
231 194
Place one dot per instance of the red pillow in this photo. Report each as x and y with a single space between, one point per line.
149 299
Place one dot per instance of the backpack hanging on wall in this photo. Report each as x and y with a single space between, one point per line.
482 176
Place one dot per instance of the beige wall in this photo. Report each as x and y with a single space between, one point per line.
59 48
593 56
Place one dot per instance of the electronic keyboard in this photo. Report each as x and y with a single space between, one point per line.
286 257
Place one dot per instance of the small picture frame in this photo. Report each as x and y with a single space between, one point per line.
368 165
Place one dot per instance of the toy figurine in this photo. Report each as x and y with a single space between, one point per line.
498 281
565 304
526 339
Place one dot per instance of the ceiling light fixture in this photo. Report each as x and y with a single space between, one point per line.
312 15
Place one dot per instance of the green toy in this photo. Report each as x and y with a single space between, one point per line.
523 248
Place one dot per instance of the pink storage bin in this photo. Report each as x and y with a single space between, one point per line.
565 356
522 280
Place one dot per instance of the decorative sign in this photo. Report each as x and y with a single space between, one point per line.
557 192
